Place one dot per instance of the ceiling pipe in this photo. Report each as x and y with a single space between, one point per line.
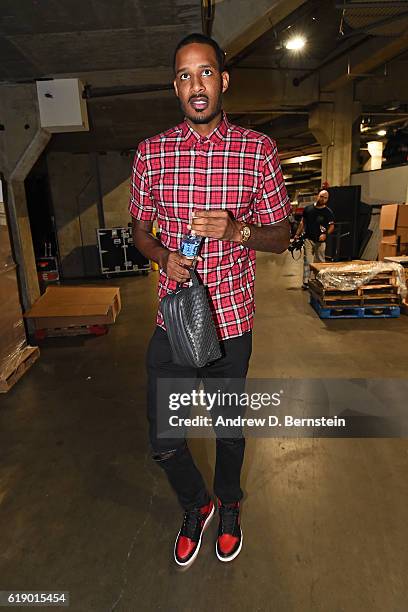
386 4
375 127
207 16
381 114
331 57
106 92
270 112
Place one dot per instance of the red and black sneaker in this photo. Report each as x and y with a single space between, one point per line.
188 540
229 541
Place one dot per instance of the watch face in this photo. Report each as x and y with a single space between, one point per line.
246 233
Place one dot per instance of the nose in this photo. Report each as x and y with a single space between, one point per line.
197 85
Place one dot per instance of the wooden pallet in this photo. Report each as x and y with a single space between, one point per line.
19 367
356 312
72 330
375 295
369 290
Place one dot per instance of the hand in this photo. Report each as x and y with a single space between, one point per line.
216 224
322 237
176 267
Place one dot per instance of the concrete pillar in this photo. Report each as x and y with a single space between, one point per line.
334 125
22 141
321 124
375 149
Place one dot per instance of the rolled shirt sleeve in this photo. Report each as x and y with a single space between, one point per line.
141 202
272 201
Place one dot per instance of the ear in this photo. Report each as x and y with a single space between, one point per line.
225 81
175 88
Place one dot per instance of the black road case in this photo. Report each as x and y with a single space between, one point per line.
117 253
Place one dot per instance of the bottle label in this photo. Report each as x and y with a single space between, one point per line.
190 246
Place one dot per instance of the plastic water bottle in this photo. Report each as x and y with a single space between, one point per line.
190 245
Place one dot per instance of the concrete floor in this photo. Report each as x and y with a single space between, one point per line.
83 509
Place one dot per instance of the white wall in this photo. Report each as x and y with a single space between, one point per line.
388 185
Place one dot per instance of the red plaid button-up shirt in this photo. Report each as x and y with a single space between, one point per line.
233 168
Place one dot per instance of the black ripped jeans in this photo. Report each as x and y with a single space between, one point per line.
173 454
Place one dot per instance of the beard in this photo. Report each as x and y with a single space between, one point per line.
201 117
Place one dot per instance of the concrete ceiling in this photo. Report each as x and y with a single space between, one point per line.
51 37
125 42
377 17
130 43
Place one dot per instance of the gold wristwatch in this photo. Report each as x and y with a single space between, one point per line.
245 232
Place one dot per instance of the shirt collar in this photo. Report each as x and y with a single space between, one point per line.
190 136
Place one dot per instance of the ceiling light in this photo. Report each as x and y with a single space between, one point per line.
300 159
393 105
296 43
382 133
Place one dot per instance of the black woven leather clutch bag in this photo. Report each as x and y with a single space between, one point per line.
190 326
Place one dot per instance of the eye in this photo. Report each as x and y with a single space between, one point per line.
207 72
184 76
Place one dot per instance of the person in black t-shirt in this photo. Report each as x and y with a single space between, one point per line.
317 223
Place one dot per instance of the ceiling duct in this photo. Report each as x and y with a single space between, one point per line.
207 16
374 17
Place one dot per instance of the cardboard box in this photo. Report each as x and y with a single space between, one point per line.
6 256
398 231
393 242
393 216
12 330
6 253
388 217
402 233
396 239
402 220
391 249
75 306
401 259
390 238
386 250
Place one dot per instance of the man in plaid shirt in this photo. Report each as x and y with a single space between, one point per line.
224 183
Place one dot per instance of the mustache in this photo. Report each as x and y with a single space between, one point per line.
198 96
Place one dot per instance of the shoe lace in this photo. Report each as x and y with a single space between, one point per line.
190 522
229 518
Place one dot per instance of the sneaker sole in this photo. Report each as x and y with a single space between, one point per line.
190 561
234 555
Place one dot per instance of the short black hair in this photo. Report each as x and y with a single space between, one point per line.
202 39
